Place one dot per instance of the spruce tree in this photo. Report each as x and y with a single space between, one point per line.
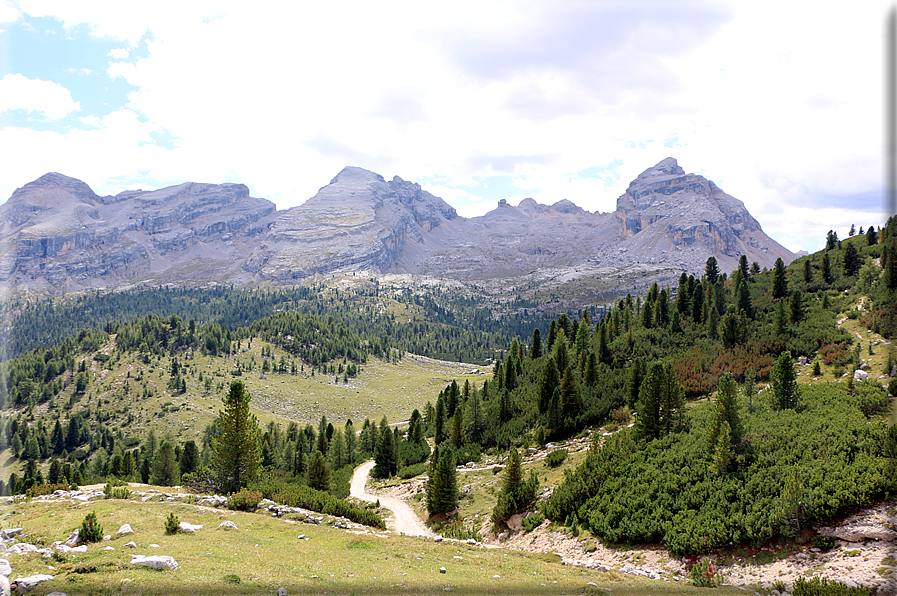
319 472
779 283
236 456
783 382
827 269
385 456
442 485
711 270
516 495
535 350
851 260
165 467
797 308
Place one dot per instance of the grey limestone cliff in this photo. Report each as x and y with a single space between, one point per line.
57 235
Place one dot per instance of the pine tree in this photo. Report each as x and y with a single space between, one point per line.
661 399
779 283
797 307
235 460
831 240
547 384
535 350
516 494
871 236
711 270
743 267
385 455
783 382
827 276
319 472
851 260
442 484
165 466
808 271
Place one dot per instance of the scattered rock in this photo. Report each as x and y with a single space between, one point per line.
10 533
504 536
860 375
26 584
281 591
131 544
515 522
228 525
442 570
155 561
5 568
438 538
860 532
125 529
109 548
74 538
188 528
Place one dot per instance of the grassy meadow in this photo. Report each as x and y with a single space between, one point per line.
264 553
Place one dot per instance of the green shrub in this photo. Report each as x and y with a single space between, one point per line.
457 530
590 546
412 471
45 489
823 542
532 521
116 492
91 530
555 458
172 524
244 500
703 576
296 495
823 587
231 579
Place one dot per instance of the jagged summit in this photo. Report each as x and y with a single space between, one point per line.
58 235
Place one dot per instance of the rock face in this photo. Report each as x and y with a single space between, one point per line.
667 209
358 221
57 235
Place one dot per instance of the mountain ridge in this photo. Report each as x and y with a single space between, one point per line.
58 235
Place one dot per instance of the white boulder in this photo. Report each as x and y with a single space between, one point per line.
26 584
188 528
125 529
155 561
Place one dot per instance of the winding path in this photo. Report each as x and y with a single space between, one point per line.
406 520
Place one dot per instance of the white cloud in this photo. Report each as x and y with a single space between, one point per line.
779 111
18 92
8 12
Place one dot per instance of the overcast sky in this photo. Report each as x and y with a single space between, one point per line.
779 103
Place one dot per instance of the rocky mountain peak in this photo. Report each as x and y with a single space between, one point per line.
355 176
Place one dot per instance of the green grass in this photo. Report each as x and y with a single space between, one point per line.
265 553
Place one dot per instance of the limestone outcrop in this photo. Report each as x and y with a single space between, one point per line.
57 235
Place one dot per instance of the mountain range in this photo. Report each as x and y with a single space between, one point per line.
59 236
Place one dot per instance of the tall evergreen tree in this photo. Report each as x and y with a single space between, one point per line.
661 399
711 270
165 467
779 283
442 484
236 455
783 382
827 269
516 494
851 260
535 350
189 461
797 307
386 464
319 472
